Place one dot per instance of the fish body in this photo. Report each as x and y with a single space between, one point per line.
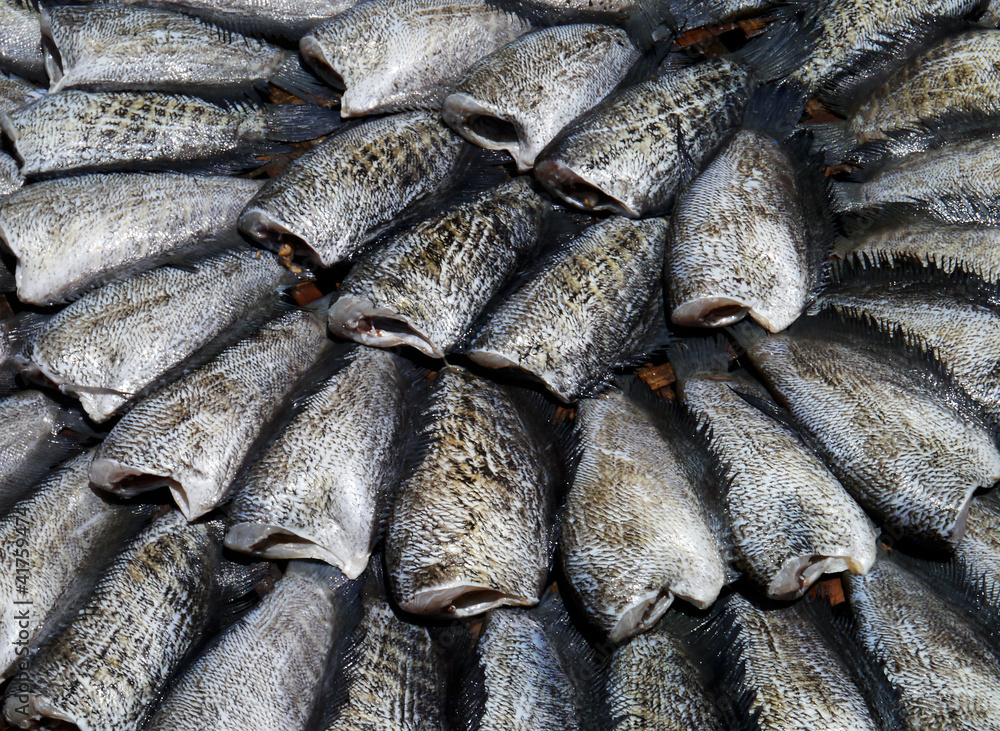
333 200
15 91
10 175
518 98
114 47
82 131
277 651
73 234
396 55
792 521
590 306
118 343
639 527
471 528
426 287
630 153
320 490
897 433
194 434
21 45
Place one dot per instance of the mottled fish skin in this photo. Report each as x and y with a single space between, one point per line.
104 669
118 343
333 200
321 489
790 673
10 175
73 234
792 521
743 239
110 47
194 434
15 91
585 309
956 183
639 527
977 557
395 55
655 681
51 544
518 98
81 131
276 653
395 672
426 287
471 528
529 671
948 315
21 41
897 434
945 673
629 154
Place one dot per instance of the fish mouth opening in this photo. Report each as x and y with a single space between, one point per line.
578 191
498 361
801 572
642 615
273 541
463 600
37 714
121 479
53 59
709 312
357 319
274 235
313 53
493 129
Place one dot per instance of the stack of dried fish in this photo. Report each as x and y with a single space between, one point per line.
318 424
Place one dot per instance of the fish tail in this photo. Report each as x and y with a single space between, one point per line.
834 138
693 356
300 122
783 47
295 78
774 109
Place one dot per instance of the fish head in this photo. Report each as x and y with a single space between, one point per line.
483 124
583 190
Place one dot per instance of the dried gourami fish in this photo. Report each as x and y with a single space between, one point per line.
593 305
52 542
276 654
792 521
471 528
631 152
194 434
426 287
81 131
117 47
393 55
73 234
322 488
116 344
335 199
518 98
106 666
641 525
895 430
749 234
21 40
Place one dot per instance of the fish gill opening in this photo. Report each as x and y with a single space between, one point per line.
493 129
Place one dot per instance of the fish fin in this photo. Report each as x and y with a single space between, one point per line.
834 138
693 356
22 330
784 46
816 198
7 281
300 122
295 77
773 110
467 681
650 24
747 334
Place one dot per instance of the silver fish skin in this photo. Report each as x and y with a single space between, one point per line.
194 434
73 234
112 47
948 247
529 671
898 434
82 131
656 681
106 666
926 88
629 153
332 201
518 98
792 521
21 44
955 183
945 673
10 175
395 674
53 542
396 55
426 287
116 344
792 673
278 651
320 489
950 316
471 527
746 238
640 526
15 91
587 307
